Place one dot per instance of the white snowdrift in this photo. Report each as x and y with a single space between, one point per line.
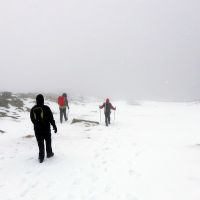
150 152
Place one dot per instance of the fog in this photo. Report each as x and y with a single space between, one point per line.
127 49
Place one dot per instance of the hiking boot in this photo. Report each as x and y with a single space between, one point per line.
41 160
50 155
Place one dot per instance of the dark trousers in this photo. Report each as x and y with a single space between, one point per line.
41 138
107 118
63 113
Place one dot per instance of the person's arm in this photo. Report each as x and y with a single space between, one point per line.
111 106
51 120
102 106
32 116
67 103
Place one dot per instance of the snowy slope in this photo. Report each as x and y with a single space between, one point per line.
150 152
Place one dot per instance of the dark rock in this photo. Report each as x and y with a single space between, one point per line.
7 98
87 122
28 136
6 94
2 131
16 102
3 114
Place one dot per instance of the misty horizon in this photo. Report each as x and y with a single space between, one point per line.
118 49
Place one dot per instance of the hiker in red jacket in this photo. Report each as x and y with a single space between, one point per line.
107 110
63 105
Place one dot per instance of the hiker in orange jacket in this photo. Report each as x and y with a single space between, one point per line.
63 105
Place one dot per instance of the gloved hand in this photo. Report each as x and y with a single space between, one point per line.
55 129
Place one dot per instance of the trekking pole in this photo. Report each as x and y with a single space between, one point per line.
68 113
114 115
100 114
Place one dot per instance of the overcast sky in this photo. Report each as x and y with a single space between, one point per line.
143 49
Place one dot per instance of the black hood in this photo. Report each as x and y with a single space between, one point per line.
64 95
40 99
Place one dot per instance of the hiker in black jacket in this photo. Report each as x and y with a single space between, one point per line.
42 117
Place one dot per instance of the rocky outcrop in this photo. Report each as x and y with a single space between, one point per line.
87 122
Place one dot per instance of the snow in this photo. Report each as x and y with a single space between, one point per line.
150 152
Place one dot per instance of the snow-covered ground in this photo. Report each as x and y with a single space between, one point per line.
150 152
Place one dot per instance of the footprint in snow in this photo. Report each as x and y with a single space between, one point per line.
194 179
130 197
105 170
106 149
77 182
11 157
131 172
97 155
138 153
23 194
23 180
104 162
107 189
34 185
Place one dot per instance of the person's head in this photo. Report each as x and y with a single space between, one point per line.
64 95
40 99
107 100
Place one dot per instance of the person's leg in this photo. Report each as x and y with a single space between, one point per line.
106 119
61 115
65 114
40 141
48 145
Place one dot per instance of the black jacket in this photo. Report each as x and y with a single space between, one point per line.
42 117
